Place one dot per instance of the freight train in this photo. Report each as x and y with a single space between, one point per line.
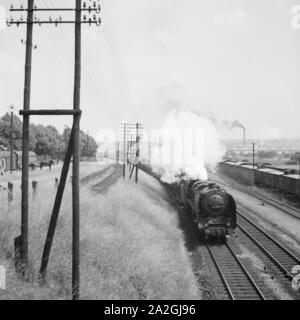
213 209
284 180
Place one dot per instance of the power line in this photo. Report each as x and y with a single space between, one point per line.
115 45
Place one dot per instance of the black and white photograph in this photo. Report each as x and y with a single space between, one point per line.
149 152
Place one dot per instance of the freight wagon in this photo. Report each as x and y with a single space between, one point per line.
284 180
16 160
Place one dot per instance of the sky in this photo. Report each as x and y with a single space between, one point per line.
234 59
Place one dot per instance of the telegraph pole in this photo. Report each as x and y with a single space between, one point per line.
76 156
25 137
253 154
73 148
124 150
11 137
137 153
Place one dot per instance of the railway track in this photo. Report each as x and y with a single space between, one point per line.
237 281
109 180
271 201
279 254
95 175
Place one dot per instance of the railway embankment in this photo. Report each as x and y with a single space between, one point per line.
131 244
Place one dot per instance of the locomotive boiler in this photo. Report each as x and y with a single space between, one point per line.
213 209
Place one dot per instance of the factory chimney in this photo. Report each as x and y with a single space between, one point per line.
237 124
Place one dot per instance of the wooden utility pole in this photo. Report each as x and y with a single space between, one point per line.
76 157
56 208
25 137
253 154
11 137
93 10
124 155
137 153
253 158
117 152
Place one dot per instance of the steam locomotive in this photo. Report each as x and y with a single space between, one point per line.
213 209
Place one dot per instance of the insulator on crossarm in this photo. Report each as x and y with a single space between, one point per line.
35 46
84 4
11 6
94 17
98 22
21 6
94 4
84 17
8 23
90 21
50 19
21 18
60 18
56 22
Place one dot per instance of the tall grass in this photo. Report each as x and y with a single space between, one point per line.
131 247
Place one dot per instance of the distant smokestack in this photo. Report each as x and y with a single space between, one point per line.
237 124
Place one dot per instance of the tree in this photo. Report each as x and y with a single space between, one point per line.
44 141
5 132
88 145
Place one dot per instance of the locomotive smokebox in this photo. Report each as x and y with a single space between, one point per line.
213 209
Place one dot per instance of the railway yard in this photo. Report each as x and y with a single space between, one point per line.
255 263
264 249
259 260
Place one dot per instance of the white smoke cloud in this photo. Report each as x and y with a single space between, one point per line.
2 18
233 19
186 146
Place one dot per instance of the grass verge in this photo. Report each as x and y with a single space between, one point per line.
131 246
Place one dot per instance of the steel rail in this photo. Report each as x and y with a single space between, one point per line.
226 281
246 272
264 249
227 287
